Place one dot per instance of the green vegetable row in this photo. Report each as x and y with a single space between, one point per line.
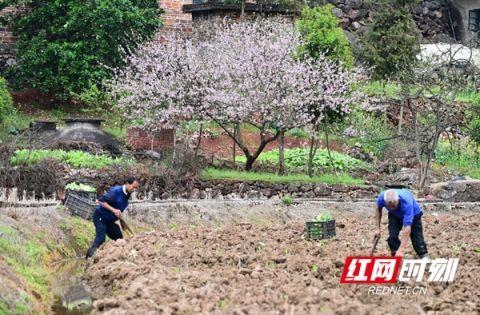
76 159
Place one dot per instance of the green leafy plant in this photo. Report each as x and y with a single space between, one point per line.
65 47
80 187
287 200
323 217
297 158
322 35
77 159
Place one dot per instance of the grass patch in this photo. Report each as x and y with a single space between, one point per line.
464 160
80 230
27 258
393 90
218 174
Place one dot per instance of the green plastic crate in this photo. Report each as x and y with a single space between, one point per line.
320 230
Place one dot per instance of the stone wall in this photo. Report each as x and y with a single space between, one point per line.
430 16
140 139
228 189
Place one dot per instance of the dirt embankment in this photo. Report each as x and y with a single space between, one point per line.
246 268
32 242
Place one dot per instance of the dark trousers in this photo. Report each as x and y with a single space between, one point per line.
395 225
103 228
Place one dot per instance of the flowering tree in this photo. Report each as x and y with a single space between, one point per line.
242 73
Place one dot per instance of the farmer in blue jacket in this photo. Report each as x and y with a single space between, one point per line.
109 209
403 212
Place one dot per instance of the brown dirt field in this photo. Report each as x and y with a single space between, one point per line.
222 146
268 269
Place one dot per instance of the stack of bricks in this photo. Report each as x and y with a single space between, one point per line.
175 21
140 139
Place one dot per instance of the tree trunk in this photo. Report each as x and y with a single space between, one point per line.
249 164
400 120
234 153
242 10
328 147
313 151
310 157
281 153
200 134
426 166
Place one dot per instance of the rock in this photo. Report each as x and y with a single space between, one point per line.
356 26
338 263
267 192
340 188
293 187
279 260
322 190
353 15
467 190
253 194
245 271
166 195
355 4
309 194
195 193
338 12
152 154
305 188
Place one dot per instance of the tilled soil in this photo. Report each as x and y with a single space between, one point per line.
271 269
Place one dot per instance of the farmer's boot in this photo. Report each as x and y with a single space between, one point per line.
393 253
91 251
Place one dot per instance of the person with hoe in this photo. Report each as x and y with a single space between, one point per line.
403 213
110 208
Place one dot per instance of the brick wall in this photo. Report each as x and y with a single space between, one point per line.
174 19
140 139
6 40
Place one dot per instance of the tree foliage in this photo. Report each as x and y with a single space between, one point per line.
321 35
391 42
66 46
243 73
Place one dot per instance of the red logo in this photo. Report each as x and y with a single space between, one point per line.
364 269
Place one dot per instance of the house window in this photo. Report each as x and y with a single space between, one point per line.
474 20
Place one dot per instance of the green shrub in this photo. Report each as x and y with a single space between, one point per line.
322 35
65 47
298 157
472 119
287 200
76 159
8 117
391 42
